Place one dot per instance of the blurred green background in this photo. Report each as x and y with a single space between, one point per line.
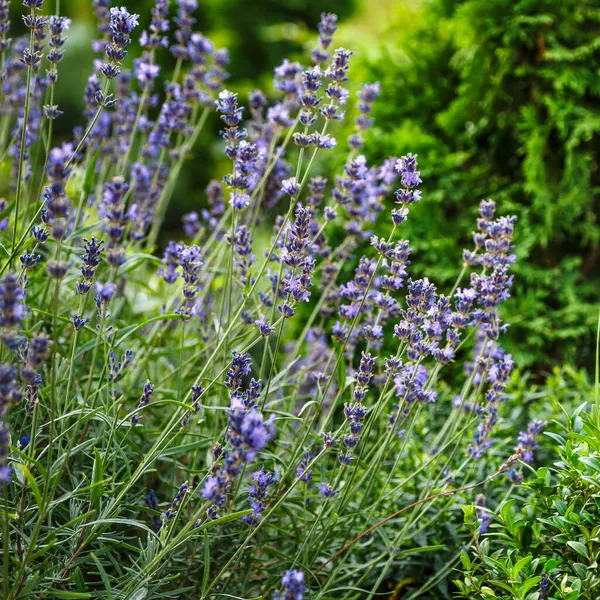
499 98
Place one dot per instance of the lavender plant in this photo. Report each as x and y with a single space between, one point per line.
230 419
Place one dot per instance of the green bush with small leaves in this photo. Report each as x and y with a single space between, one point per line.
548 547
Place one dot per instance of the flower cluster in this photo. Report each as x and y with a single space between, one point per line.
248 432
155 36
56 201
368 93
92 258
121 24
261 481
170 513
144 401
197 391
293 586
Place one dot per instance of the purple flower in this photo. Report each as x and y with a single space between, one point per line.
92 257
79 322
34 355
56 201
326 490
231 113
191 224
290 187
105 291
185 23
10 390
210 488
242 249
12 301
145 72
293 586
257 493
158 27
485 516
144 401
302 471
528 440
177 501
263 326
327 28
241 365
368 93
121 24
338 69
5 470
248 433
57 26
407 167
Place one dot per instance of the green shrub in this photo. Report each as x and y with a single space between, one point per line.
501 99
548 548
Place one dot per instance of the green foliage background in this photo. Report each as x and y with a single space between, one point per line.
500 99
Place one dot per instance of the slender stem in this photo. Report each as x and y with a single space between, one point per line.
90 127
23 140
5 540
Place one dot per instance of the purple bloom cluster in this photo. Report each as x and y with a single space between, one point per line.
144 401
293 586
248 432
326 490
37 25
4 26
197 391
408 194
151 501
498 373
10 394
102 12
34 355
242 249
170 513
528 440
155 36
117 366
368 93
485 517
355 291
55 198
297 281
263 326
492 239
5 469
327 29
303 471
242 153
57 26
411 384
185 261
121 24
261 481
185 23
12 301
92 257
524 450
356 412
